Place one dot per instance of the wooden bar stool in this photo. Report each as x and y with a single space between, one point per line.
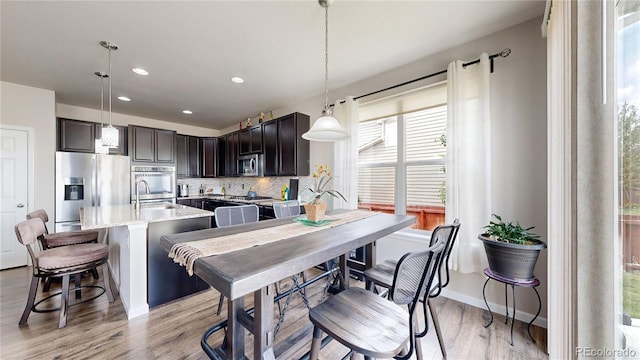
60 262
65 238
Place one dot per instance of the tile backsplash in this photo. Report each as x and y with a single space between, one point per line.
263 186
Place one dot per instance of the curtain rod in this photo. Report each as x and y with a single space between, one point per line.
504 53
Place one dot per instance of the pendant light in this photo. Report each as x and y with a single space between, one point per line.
326 128
110 135
100 148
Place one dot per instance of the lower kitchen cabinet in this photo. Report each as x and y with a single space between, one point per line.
166 280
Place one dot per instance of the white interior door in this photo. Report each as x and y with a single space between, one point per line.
13 195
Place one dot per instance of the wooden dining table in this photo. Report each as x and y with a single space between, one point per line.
254 270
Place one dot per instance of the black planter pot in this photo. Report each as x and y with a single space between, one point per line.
512 261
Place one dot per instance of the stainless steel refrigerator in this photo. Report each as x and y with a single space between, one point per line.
84 180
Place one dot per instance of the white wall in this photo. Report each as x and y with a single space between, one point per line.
34 108
518 111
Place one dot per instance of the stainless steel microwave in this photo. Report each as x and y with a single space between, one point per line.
251 165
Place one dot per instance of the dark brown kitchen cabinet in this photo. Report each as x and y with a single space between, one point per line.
232 154
270 136
165 146
80 136
76 136
182 155
209 157
251 140
149 145
221 156
187 156
286 153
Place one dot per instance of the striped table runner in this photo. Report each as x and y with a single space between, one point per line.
186 253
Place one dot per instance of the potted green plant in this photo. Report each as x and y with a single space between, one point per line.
512 251
315 209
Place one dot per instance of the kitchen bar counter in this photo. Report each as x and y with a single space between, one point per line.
133 239
100 217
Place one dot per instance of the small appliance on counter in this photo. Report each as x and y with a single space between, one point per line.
183 190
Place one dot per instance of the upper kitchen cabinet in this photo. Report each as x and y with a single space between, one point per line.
149 145
221 156
209 157
80 136
188 156
231 158
251 140
77 136
286 153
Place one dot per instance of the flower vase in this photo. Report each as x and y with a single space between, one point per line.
315 212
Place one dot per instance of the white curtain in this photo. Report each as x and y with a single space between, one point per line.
345 154
468 161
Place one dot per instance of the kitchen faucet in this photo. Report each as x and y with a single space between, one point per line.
146 188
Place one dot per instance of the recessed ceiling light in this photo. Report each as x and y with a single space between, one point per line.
188 112
140 71
123 98
237 80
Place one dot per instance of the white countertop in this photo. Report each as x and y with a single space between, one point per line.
98 217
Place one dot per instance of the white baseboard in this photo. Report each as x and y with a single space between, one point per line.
495 308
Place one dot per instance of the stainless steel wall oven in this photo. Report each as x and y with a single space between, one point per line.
161 181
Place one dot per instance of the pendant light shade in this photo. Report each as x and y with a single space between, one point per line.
326 128
110 135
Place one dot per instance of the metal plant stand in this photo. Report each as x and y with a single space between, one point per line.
506 281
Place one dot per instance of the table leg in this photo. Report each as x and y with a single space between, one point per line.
486 303
235 331
344 270
370 255
263 324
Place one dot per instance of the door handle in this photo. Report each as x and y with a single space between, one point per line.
20 205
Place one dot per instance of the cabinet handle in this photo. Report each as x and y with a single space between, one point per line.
20 205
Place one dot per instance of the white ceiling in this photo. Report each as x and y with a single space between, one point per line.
192 49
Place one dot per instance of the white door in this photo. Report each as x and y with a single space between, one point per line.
13 195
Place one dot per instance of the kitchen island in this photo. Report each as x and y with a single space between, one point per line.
143 273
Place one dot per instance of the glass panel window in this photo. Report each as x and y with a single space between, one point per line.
402 162
376 186
628 116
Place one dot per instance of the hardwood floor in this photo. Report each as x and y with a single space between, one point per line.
99 330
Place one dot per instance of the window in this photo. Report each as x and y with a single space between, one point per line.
401 160
628 117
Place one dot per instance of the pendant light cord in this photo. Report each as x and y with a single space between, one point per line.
326 58
110 76
101 103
